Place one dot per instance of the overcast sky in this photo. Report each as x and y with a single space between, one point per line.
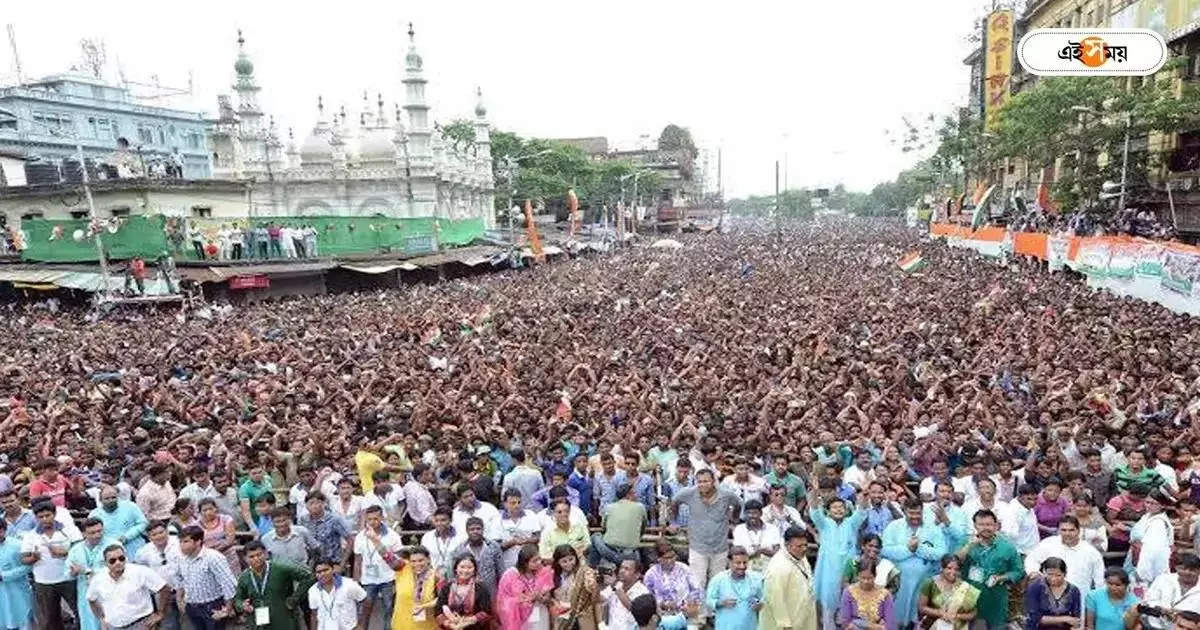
831 76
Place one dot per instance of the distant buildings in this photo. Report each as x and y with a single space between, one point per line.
42 119
679 187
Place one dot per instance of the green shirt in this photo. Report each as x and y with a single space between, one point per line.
285 593
793 483
663 458
1147 477
251 491
623 522
982 562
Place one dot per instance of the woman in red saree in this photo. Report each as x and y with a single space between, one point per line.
523 593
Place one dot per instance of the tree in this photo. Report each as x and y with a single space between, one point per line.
460 133
678 140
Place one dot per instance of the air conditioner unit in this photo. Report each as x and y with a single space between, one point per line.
1184 184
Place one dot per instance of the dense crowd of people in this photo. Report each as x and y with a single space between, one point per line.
755 430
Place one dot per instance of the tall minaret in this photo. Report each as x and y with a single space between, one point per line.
420 156
483 146
253 134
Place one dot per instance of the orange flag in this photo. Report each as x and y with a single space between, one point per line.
535 242
573 211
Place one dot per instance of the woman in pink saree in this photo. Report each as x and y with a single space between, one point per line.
523 593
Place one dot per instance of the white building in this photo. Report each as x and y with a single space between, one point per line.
377 166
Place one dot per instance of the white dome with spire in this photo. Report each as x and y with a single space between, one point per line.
316 148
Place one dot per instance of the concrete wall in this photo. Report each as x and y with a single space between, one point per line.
14 171
178 203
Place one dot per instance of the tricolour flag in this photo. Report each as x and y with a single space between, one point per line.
912 261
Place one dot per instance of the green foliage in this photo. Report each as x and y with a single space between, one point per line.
678 140
546 169
460 133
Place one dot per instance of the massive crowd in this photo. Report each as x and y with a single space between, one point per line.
750 431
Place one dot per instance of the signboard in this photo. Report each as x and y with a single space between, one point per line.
998 63
260 281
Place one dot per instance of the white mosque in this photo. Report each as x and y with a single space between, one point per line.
376 165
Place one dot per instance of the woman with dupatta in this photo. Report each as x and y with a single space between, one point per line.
576 592
416 600
463 603
523 593
946 601
865 605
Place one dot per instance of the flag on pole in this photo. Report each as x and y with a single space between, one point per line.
535 242
911 262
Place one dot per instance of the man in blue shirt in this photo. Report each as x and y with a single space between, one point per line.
879 513
524 478
581 483
556 462
19 519
643 486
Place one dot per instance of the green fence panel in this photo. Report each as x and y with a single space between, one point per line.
135 236
148 236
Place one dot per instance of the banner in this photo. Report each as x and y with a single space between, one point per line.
1124 259
1162 272
1056 252
1150 260
998 64
1093 257
1180 271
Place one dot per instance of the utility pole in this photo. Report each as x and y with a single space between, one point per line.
87 191
1125 166
778 232
636 175
720 182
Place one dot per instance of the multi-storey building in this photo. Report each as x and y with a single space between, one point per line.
46 118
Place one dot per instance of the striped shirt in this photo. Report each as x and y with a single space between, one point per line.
205 577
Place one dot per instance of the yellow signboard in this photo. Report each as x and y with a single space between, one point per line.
998 62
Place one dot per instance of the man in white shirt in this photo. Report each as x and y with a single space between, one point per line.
779 514
468 506
201 487
45 549
987 500
521 527
746 486
162 556
417 498
618 597
371 568
1085 565
334 601
298 493
1174 593
442 539
124 596
387 497
1023 531
861 472
759 540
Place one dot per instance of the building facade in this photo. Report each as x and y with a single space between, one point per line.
391 163
45 118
